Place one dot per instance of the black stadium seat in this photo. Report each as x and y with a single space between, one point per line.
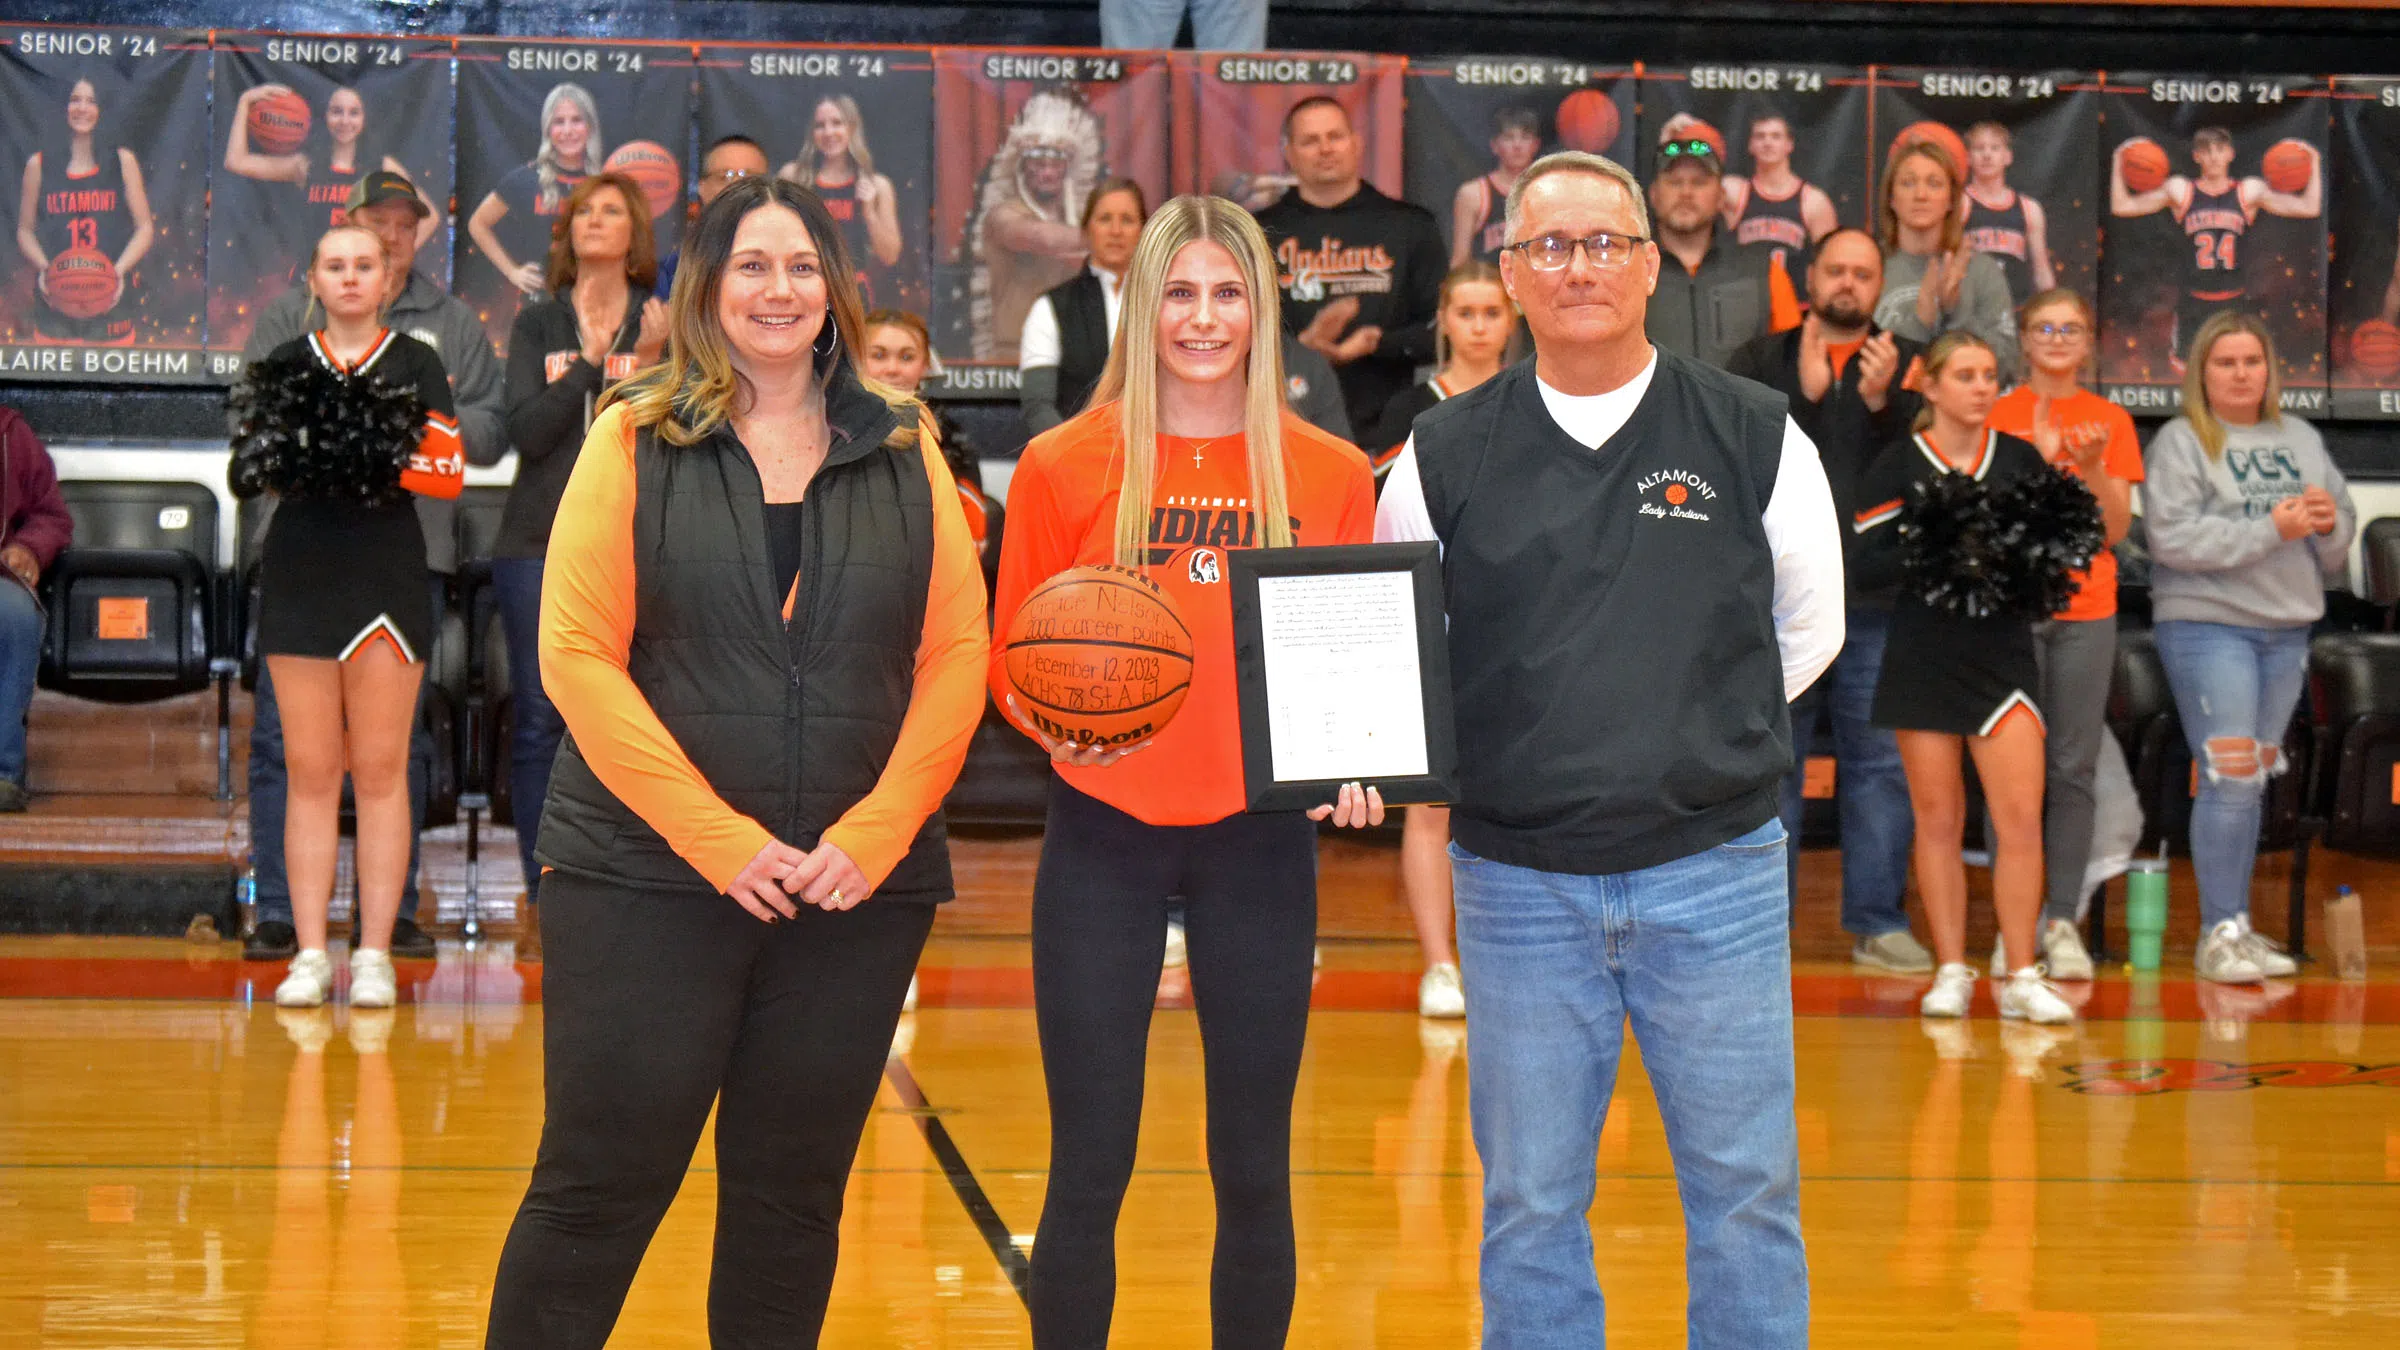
2354 683
132 601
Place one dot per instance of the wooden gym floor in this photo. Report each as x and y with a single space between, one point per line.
182 1165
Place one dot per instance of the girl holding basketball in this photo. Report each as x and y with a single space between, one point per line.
84 198
1934 282
344 623
325 178
837 163
511 225
1188 421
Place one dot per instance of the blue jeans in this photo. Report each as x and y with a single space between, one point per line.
534 746
1696 956
2230 681
1151 25
20 662
1870 791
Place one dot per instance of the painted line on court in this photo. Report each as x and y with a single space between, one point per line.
980 1210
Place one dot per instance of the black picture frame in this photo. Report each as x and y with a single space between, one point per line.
1422 561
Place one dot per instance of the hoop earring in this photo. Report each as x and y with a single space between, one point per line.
828 340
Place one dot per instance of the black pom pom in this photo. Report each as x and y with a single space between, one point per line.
1982 552
2055 531
305 432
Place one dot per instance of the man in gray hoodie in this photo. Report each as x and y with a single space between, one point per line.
387 204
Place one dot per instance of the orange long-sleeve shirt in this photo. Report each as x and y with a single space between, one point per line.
1062 513
587 633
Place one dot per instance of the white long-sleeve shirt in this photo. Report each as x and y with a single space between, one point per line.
1040 344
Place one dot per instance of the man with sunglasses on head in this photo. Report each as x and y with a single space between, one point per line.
1714 294
727 161
1642 566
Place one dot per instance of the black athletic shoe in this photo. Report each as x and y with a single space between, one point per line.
272 940
412 942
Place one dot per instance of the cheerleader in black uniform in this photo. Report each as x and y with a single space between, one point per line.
1954 686
343 616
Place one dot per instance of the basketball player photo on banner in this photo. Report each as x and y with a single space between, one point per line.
2364 294
107 129
1023 137
300 119
1475 122
1793 140
2215 193
2027 146
849 122
537 118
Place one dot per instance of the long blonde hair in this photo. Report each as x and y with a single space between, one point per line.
2205 423
546 167
1954 222
1131 376
804 164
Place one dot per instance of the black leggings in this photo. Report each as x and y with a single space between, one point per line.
655 1006
1099 931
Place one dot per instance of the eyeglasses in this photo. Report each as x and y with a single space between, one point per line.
1552 252
2061 330
729 175
1686 149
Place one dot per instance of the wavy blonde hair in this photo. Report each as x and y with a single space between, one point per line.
1954 223
1131 376
2214 329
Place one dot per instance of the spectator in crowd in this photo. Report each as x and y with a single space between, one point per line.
1151 25
746 522
1933 279
1955 686
1360 272
2075 650
1187 409
598 325
2247 519
1846 380
34 527
344 620
1714 294
1617 621
727 161
388 205
899 352
1071 328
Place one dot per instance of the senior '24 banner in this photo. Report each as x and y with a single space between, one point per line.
2365 294
1475 122
1792 139
2029 147
1024 137
2216 200
107 134
299 120
537 118
1229 110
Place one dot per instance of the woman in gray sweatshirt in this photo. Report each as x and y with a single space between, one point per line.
2247 520
1933 282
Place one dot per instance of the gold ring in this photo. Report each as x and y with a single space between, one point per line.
836 897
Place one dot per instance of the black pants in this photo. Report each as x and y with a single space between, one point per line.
1099 930
655 1006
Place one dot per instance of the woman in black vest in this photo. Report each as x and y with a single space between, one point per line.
598 326
762 622
1070 329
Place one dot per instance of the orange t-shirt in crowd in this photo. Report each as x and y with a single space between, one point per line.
1839 353
587 634
1062 513
2081 417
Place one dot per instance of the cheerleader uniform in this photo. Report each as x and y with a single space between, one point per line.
1942 671
338 577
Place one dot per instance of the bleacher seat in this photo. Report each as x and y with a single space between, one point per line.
2354 684
132 602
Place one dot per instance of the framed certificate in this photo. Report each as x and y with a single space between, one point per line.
1342 660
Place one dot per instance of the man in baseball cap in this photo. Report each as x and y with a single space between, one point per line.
1713 295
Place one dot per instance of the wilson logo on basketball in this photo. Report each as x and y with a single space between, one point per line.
1675 488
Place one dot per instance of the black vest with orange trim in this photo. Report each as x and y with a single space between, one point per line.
792 724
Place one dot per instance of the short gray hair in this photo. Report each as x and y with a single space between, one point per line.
1576 161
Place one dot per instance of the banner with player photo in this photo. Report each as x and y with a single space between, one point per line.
1475 122
1024 137
108 137
299 120
850 122
2029 148
1793 140
2364 297
2215 192
535 119
1229 110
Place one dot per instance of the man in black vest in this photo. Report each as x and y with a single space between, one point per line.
1642 565
1846 379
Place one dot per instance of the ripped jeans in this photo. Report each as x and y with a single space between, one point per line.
2235 689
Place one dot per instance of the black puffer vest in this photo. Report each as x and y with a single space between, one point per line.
792 724
1083 339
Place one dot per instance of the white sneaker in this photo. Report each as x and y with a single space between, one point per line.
1953 989
309 983
2265 952
2224 956
1176 953
908 1001
1897 951
1439 993
372 984
2027 997
2063 954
